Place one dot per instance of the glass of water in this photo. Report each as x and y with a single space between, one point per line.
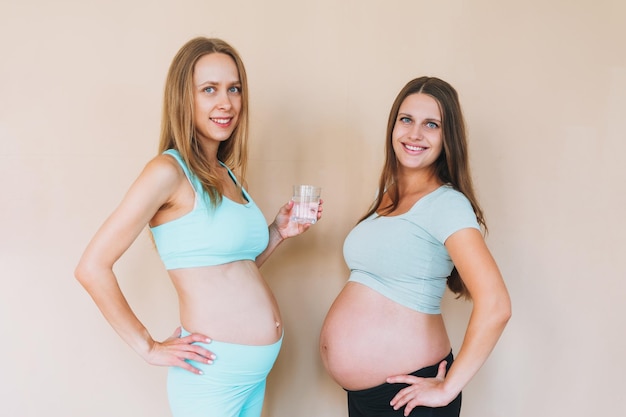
307 201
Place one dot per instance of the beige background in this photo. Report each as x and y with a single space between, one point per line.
543 85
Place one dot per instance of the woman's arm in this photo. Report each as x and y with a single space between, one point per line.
153 188
490 313
283 228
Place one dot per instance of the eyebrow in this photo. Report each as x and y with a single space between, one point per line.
434 119
230 83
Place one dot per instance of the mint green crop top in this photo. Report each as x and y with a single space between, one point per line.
403 257
211 236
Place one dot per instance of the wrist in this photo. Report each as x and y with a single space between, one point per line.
450 391
275 235
144 345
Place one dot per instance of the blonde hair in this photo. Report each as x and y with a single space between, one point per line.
177 124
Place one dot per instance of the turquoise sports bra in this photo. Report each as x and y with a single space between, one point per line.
211 235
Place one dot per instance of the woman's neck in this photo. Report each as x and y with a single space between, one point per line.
417 183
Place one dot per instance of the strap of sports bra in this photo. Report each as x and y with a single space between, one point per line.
193 180
232 176
230 173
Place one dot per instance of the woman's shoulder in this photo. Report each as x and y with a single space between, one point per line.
444 203
165 169
447 195
450 212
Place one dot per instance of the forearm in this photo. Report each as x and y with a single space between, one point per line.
484 329
103 288
275 239
491 310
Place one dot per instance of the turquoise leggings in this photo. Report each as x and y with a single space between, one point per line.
233 386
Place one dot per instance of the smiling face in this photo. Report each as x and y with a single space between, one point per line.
217 98
417 138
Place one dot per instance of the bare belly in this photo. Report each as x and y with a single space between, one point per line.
366 338
230 303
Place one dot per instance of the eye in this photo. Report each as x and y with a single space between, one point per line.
234 89
432 125
405 120
209 90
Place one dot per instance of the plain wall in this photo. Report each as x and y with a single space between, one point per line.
543 87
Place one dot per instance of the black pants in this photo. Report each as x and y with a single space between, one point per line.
374 402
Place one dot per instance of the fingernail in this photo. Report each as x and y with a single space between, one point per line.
212 356
200 373
208 340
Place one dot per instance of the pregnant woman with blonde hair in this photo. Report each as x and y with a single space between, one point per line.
212 239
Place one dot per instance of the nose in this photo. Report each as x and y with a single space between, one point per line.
415 132
224 102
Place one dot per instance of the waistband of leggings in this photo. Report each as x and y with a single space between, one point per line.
184 332
426 372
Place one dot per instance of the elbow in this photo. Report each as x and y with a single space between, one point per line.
503 312
84 273
81 273
504 318
496 310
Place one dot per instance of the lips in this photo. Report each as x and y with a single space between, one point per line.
222 121
413 148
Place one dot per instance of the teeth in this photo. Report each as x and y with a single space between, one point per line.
414 148
221 121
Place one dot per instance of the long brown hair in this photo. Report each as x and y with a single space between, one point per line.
177 126
452 166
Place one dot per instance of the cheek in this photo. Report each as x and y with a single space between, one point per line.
236 102
437 140
395 142
439 148
396 135
200 106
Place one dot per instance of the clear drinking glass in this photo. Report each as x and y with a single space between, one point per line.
307 201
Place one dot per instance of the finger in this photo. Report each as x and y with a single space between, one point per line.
203 356
407 399
186 352
187 366
287 207
441 374
409 407
192 351
401 398
403 379
195 337
176 333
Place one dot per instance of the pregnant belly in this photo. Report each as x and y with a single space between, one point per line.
230 303
366 338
